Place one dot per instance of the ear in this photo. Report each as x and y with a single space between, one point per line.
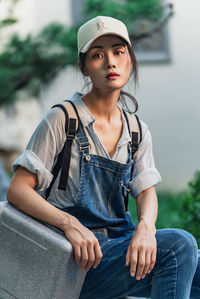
83 71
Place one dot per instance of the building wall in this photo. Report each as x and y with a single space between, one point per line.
32 15
169 97
168 94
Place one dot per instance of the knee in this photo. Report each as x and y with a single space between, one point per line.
182 243
184 239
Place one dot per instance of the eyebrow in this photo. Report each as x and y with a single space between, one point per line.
113 46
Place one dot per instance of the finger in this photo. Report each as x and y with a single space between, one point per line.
84 257
141 263
128 256
153 261
147 264
91 257
133 262
98 255
77 252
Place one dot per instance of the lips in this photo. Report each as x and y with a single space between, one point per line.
112 76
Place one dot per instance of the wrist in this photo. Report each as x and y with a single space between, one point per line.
65 221
143 222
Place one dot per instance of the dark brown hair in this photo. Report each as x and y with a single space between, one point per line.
82 59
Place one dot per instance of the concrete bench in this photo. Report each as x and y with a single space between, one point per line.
4 183
36 260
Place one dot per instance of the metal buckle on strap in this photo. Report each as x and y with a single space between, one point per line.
82 147
84 143
70 136
133 147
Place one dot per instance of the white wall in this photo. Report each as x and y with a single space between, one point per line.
168 95
32 15
56 11
169 99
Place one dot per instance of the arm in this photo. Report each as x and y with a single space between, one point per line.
147 207
21 194
142 248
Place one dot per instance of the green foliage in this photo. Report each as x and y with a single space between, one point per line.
127 11
7 22
191 207
178 210
169 210
9 19
31 62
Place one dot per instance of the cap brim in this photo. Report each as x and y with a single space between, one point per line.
87 46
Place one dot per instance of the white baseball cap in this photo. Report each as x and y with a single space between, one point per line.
97 27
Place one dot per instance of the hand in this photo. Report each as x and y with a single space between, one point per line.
142 251
86 246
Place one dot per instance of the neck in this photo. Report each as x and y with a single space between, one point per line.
102 104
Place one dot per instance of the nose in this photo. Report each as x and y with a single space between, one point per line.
110 61
110 66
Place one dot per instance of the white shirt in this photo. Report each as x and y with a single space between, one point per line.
48 140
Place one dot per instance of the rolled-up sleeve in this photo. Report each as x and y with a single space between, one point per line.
31 162
145 174
43 148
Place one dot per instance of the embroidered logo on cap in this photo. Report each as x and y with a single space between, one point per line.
101 26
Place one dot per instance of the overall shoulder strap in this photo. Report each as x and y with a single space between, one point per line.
63 160
135 132
134 126
73 117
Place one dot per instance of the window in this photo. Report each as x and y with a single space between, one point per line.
152 42
155 47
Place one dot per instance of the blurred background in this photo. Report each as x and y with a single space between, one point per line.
38 57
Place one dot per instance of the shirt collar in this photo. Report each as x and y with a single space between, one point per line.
83 111
87 117
125 137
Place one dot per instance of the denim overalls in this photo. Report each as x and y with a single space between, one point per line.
104 184
100 207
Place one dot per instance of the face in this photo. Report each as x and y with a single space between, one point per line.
108 63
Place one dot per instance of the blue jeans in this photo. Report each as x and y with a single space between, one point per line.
175 271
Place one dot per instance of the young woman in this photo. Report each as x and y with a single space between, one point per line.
120 258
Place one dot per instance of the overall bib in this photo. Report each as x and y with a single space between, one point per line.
104 184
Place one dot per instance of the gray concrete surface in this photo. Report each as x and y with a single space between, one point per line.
4 182
37 261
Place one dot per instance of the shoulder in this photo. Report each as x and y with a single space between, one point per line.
146 135
55 118
56 115
144 127
136 124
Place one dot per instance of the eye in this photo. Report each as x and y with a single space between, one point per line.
97 56
119 52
